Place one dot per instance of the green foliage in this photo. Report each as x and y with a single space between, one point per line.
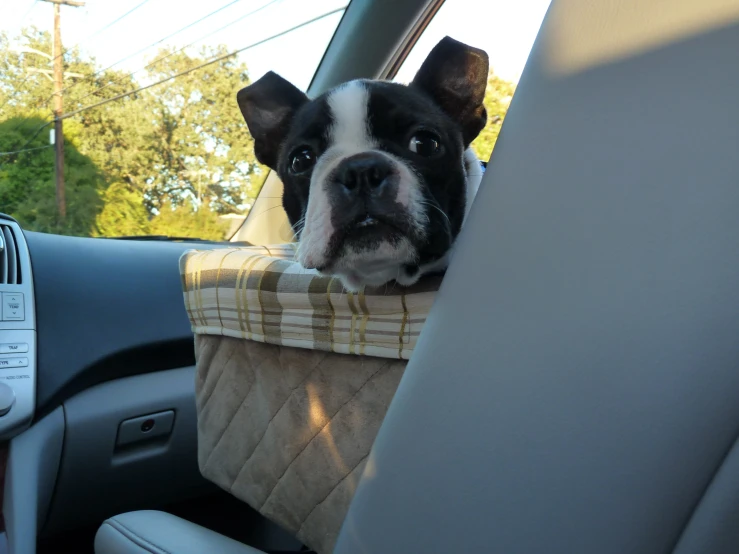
123 213
185 220
201 142
497 98
168 160
27 186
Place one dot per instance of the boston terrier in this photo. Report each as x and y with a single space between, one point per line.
378 177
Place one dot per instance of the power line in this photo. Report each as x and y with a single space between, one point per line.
21 122
20 88
145 48
28 75
25 150
104 28
156 61
16 92
28 11
210 62
60 54
116 20
35 133
151 64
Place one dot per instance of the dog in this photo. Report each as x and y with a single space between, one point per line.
378 177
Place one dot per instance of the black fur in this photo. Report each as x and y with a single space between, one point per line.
445 98
396 112
268 107
308 128
455 76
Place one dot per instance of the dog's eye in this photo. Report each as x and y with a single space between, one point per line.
425 143
302 160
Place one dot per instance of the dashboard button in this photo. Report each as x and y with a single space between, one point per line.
13 362
14 348
7 398
13 309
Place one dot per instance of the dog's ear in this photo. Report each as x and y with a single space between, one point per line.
455 76
268 105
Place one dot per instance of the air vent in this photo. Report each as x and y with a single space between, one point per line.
10 266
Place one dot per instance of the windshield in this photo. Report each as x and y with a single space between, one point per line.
136 101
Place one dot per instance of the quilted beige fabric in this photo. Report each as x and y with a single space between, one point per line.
288 430
294 377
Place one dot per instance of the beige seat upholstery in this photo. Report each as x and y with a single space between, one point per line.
152 532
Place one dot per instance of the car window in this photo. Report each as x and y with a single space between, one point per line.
505 29
153 141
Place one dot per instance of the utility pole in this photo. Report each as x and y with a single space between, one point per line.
58 59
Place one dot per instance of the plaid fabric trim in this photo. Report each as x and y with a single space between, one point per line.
262 294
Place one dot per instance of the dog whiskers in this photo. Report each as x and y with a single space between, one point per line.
298 230
438 209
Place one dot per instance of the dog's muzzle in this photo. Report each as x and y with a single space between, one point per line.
364 189
367 224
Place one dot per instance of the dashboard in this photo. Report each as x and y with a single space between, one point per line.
77 312
94 343
18 370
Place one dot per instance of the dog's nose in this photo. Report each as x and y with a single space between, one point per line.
366 172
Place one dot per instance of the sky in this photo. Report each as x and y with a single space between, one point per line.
505 29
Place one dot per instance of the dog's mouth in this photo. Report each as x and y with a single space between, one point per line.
363 235
367 221
368 228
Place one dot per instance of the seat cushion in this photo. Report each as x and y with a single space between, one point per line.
153 532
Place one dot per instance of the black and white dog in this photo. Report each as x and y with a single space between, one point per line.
378 177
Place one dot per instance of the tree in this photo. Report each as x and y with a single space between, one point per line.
123 213
497 99
187 221
20 89
157 157
27 187
199 147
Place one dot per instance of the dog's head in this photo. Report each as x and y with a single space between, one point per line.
374 172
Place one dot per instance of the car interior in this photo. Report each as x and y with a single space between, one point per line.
576 388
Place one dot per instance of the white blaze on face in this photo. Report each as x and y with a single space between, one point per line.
348 105
349 135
